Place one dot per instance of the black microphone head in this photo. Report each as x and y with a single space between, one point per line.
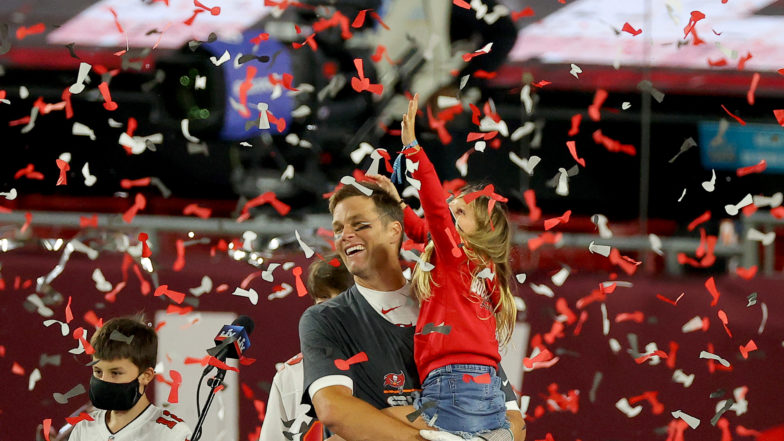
246 322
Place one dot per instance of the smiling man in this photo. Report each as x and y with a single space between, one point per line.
358 347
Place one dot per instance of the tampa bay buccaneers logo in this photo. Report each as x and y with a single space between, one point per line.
395 381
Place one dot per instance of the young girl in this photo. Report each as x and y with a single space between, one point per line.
466 305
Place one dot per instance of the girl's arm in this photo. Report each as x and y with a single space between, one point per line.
415 226
437 214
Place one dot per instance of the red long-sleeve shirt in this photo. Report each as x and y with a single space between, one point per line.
457 300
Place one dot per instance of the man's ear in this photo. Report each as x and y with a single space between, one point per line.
397 231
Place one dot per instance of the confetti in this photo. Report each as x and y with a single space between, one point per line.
575 71
765 238
604 250
74 392
302 290
758 168
573 151
748 347
737 118
624 406
764 308
441 329
690 420
204 288
525 164
628 28
251 294
680 377
345 365
479 379
711 356
665 299
361 84
647 86
305 248
35 377
695 324
119 336
542 290
176 297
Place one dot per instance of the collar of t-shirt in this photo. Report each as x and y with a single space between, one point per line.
398 307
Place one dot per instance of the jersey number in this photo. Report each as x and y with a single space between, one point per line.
169 423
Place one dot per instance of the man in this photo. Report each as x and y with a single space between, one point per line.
358 347
286 417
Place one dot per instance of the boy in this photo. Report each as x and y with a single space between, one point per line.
123 366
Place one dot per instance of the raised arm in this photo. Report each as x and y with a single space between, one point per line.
437 214
415 226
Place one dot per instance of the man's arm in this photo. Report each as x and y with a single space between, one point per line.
355 420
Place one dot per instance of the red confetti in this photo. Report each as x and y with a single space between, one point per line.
672 355
628 28
146 252
479 379
381 51
139 203
551 223
742 61
439 126
748 347
542 83
214 11
279 123
179 262
737 118
461 3
562 307
107 97
177 297
651 396
752 88
644 358
29 172
22 32
201 212
83 416
576 120
695 17
527 12
129 183
710 284
530 200
359 20
571 145
361 84
17 369
671 302
613 145
302 290
759 168
87 222
68 313
79 334
345 365
544 238
636 316
724 321
259 38
175 387
377 18
245 86
145 285
746 273
598 100
190 20
28 221
47 427
704 217
267 198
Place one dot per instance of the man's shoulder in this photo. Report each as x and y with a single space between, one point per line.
341 304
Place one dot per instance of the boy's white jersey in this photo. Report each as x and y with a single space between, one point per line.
153 424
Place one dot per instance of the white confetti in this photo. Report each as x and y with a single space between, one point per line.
251 294
765 238
80 129
89 180
709 186
772 201
10 195
615 346
575 71
601 221
184 124
263 117
682 195
690 420
308 250
359 154
286 290
78 87
101 284
204 288
560 277
42 309
267 274
525 129
732 210
711 356
563 183
349 180
605 320
626 105
542 290
224 58
604 250
35 376
411 256
525 164
64 328
680 377
288 173
624 406
695 324
520 278
764 308
656 244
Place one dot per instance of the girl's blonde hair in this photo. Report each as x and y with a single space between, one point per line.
490 243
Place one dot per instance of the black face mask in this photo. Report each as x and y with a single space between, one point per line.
114 396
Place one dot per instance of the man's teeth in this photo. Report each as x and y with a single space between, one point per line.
354 249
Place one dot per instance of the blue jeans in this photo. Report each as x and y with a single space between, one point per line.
462 408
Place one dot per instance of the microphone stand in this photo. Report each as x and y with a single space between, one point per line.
215 383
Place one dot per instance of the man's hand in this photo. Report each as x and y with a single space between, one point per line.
386 184
407 134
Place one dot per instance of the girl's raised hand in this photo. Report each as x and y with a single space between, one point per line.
407 134
386 184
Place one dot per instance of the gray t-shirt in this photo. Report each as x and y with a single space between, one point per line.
347 325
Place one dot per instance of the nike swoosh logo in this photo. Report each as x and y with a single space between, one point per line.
387 311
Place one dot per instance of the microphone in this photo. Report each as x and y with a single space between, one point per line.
232 340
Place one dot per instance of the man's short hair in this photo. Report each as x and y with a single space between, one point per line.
142 349
387 207
326 280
